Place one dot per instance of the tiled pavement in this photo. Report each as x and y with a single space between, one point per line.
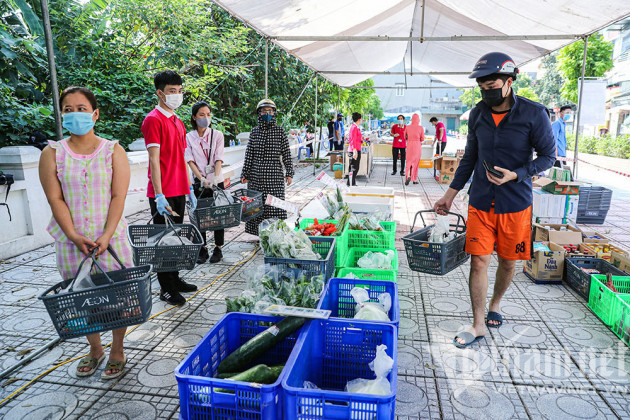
552 358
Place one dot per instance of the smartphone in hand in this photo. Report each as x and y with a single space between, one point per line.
490 169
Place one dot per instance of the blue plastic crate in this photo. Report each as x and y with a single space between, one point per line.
199 397
337 298
324 246
329 354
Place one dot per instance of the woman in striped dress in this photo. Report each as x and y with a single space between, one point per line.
266 154
85 179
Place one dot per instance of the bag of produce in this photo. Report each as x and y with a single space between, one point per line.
377 260
223 198
381 365
279 241
371 311
440 232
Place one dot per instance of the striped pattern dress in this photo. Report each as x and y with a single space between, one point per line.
86 182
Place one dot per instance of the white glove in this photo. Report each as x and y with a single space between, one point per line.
207 183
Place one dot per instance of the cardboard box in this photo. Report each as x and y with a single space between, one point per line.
588 237
549 220
570 234
558 187
449 165
571 209
548 205
620 261
546 266
339 174
603 251
446 178
558 174
335 158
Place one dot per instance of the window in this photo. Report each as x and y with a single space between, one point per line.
400 89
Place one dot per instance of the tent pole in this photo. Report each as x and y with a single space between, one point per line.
266 68
579 111
421 25
52 68
296 101
315 142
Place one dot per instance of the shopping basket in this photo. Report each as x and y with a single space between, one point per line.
431 257
165 257
120 299
252 203
208 217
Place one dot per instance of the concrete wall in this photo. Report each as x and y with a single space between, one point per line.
30 210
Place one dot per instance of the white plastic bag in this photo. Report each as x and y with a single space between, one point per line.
377 260
381 365
223 198
371 311
440 232
82 281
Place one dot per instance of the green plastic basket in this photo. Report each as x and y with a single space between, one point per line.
371 239
368 274
355 253
341 246
602 300
621 318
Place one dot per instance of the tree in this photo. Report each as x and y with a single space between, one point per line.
467 97
548 87
374 107
528 92
598 61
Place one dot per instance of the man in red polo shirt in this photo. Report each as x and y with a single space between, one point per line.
165 139
399 146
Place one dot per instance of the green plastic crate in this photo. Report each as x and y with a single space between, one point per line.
368 274
602 300
370 239
355 253
621 318
341 246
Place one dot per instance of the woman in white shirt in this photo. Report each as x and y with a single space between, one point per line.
204 154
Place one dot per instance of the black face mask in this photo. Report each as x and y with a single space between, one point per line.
493 97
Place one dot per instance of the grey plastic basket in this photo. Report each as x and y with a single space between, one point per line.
252 209
593 205
165 257
208 217
435 258
120 299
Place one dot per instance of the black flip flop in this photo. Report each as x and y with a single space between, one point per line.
494 316
468 338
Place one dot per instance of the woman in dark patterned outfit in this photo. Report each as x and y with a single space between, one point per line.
267 151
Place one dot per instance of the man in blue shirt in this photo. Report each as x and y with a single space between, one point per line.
559 128
339 132
504 130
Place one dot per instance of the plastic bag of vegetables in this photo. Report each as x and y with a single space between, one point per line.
381 365
377 260
372 311
280 241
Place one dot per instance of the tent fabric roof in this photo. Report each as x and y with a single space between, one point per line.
403 18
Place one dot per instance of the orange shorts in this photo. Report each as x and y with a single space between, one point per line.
508 233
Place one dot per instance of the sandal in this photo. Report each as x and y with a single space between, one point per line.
114 365
494 316
88 361
468 338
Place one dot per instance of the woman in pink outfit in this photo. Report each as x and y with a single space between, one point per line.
415 136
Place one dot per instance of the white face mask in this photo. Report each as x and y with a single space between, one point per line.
174 100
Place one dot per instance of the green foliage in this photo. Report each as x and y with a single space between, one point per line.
467 97
548 87
528 92
618 147
115 46
463 128
598 61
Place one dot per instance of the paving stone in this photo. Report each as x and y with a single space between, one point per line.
564 312
550 403
49 260
416 398
32 275
516 310
447 305
24 295
608 370
434 285
479 400
153 374
408 285
555 292
533 335
124 406
412 327
442 329
61 352
45 401
480 362
148 335
578 337
547 367
208 312
33 322
414 359
620 403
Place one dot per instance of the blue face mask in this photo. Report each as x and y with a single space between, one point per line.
78 123
566 117
267 117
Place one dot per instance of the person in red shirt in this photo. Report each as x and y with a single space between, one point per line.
440 136
399 147
165 139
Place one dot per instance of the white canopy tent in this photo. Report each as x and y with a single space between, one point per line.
348 41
